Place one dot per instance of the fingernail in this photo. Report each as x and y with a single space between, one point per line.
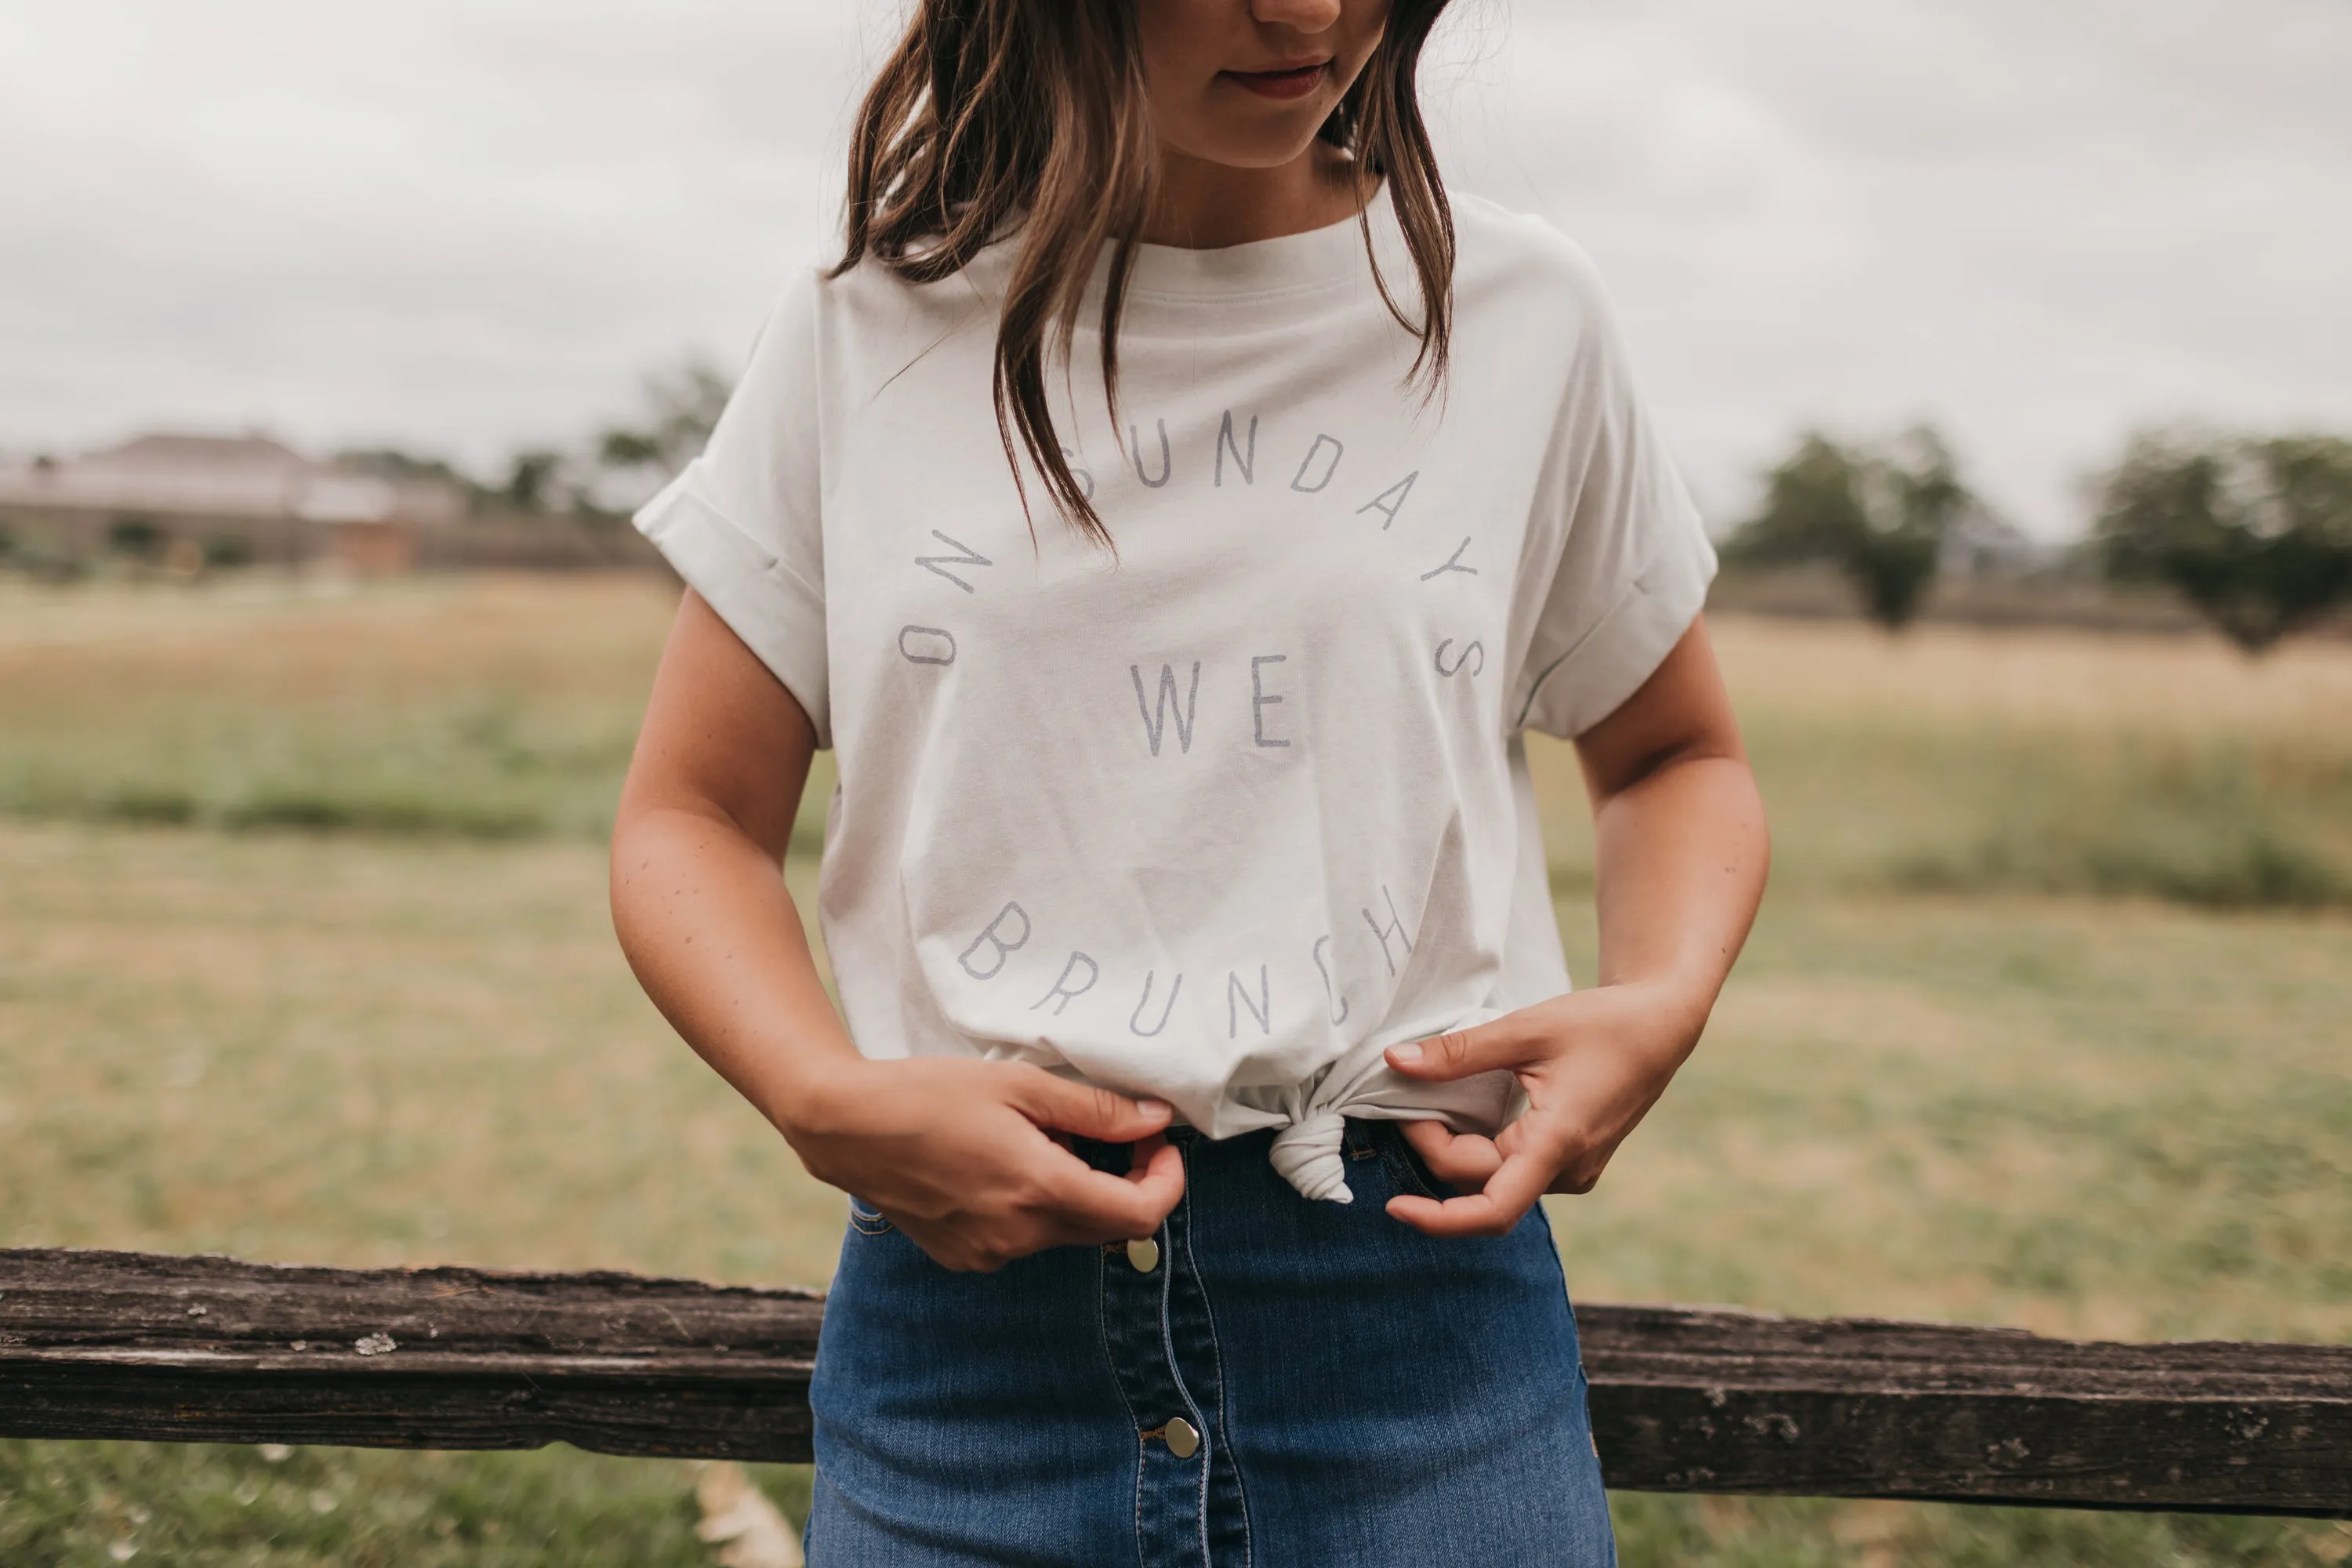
1153 1107
1405 1055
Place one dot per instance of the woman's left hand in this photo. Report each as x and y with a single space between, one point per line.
1679 854
1592 1063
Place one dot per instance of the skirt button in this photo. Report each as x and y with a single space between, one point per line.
1182 1440
1144 1253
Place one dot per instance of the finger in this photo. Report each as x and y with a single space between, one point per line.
1090 1112
1095 1205
1502 1044
1582 1174
949 1249
1163 1173
1510 1191
1457 1159
1142 1153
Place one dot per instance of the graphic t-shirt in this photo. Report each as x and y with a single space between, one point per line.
1218 818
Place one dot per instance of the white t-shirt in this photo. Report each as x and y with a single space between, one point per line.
1221 819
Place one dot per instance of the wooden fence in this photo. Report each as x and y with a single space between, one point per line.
207 1350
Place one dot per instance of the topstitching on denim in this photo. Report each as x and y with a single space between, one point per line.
1111 1370
1210 1437
1217 1365
1406 1167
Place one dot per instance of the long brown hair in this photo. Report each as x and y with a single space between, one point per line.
991 113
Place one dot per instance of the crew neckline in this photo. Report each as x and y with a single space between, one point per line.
1311 258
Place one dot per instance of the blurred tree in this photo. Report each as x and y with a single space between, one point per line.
137 538
396 465
625 463
1880 514
226 550
532 480
2254 531
682 405
391 463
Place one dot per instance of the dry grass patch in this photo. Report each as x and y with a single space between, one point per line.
1976 678
2118 1119
356 1051
2111 1118
1966 760
483 707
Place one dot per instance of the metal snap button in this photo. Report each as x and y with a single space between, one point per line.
1144 1253
1182 1440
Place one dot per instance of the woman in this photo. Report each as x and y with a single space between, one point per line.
1172 511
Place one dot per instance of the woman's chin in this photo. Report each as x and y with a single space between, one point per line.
1257 148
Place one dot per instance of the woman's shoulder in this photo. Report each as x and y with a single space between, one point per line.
872 302
1519 282
1498 245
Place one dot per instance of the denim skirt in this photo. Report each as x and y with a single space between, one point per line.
1278 1382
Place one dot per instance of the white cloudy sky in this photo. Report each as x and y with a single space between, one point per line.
469 223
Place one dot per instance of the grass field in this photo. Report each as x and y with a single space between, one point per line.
1958 1095
1951 760
492 710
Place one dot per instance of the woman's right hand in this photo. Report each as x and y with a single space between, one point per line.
957 1152
960 1154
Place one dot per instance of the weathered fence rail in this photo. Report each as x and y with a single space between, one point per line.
117 1344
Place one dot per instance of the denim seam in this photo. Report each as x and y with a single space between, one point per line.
1119 1386
869 1221
1217 1362
1544 1216
1206 1454
1404 1170
1583 1379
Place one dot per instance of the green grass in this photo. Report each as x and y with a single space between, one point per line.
2221 820
418 707
1954 1077
1713 1532
460 708
477 770
67 1503
358 1051
73 1503
2111 1120
504 708
1963 761
2122 1120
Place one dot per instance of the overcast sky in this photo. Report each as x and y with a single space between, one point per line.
464 225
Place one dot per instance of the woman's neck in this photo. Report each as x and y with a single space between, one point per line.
1202 205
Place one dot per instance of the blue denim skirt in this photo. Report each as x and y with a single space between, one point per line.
1351 1391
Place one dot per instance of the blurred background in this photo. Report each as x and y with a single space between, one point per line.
2007 347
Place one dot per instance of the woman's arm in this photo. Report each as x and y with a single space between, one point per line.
956 1150
1682 853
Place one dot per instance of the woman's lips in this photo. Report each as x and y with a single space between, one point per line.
1296 82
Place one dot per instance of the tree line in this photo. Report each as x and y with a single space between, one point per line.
601 480
2254 531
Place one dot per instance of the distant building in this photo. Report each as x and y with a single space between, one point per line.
227 497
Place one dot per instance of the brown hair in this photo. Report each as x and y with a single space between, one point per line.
991 111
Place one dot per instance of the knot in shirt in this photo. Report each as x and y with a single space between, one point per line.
1306 1153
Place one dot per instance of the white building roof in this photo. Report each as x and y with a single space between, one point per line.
235 476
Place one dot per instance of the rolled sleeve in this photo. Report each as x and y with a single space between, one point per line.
744 525
778 613
1593 677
